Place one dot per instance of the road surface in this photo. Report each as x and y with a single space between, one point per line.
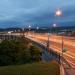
56 45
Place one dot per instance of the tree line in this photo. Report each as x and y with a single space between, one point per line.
19 51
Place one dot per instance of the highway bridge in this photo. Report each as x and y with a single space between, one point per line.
55 45
8 36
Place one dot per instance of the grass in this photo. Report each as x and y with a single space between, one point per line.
41 68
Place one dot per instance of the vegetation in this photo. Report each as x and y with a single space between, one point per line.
18 52
41 68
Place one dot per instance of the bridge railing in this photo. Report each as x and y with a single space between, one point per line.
8 37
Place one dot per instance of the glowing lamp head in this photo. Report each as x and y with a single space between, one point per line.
54 25
58 12
29 26
37 28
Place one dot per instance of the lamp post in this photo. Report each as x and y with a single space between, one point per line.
23 32
29 28
58 13
48 43
54 26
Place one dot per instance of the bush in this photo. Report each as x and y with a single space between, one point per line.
18 52
35 53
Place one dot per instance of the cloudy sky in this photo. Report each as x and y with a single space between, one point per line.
21 13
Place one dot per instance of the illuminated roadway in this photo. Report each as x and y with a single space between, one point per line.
56 45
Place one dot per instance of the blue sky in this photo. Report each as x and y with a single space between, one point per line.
21 13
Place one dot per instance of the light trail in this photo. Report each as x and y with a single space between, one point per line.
55 41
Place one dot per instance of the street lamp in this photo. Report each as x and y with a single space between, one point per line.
48 42
58 13
55 28
37 28
23 32
29 27
54 25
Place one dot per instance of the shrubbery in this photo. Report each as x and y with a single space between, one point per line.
18 52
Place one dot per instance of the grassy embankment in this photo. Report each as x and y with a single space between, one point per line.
41 68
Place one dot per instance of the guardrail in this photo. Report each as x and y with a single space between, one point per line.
8 37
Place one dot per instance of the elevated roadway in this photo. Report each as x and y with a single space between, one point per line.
55 43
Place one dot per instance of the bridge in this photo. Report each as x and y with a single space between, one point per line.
55 44
48 53
8 37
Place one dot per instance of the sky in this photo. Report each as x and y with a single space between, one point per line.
41 13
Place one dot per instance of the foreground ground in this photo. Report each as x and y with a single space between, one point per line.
42 68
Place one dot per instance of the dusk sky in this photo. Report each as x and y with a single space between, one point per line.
41 13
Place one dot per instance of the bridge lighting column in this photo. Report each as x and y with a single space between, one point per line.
54 26
58 13
48 43
23 32
29 28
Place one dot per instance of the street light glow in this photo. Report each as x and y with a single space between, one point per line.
29 26
58 12
37 28
54 25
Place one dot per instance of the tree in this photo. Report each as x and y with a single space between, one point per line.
18 52
13 52
35 53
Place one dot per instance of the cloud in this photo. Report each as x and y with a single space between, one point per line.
21 13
